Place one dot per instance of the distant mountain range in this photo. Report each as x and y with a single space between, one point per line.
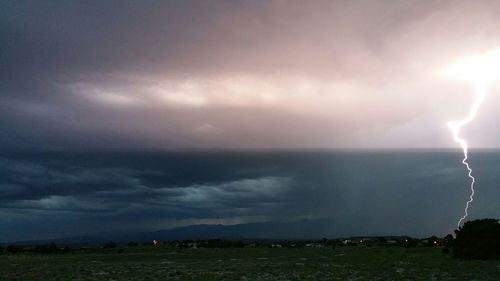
302 229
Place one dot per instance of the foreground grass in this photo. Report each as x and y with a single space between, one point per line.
161 263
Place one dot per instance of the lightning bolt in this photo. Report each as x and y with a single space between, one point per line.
456 128
480 69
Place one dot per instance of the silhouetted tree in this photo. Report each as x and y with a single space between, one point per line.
381 241
133 244
448 244
478 239
216 243
13 249
433 241
46 249
109 245
410 243
448 240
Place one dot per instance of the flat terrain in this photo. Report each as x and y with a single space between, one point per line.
162 263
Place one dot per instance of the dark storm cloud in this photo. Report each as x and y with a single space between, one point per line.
184 187
62 39
178 183
139 190
419 193
239 74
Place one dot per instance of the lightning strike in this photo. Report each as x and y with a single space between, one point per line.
478 69
456 127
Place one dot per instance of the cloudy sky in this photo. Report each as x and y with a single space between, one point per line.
176 75
47 195
86 85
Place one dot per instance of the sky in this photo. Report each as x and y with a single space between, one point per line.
95 96
416 193
183 75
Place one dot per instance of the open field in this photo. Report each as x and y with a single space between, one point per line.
162 263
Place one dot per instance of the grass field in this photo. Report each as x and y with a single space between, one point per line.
162 263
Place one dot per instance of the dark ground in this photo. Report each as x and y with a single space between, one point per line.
164 263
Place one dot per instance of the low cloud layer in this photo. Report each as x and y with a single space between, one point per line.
419 193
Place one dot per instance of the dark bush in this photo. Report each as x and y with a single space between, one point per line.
133 244
433 241
13 249
410 243
46 249
478 239
67 249
216 243
448 241
381 241
109 245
